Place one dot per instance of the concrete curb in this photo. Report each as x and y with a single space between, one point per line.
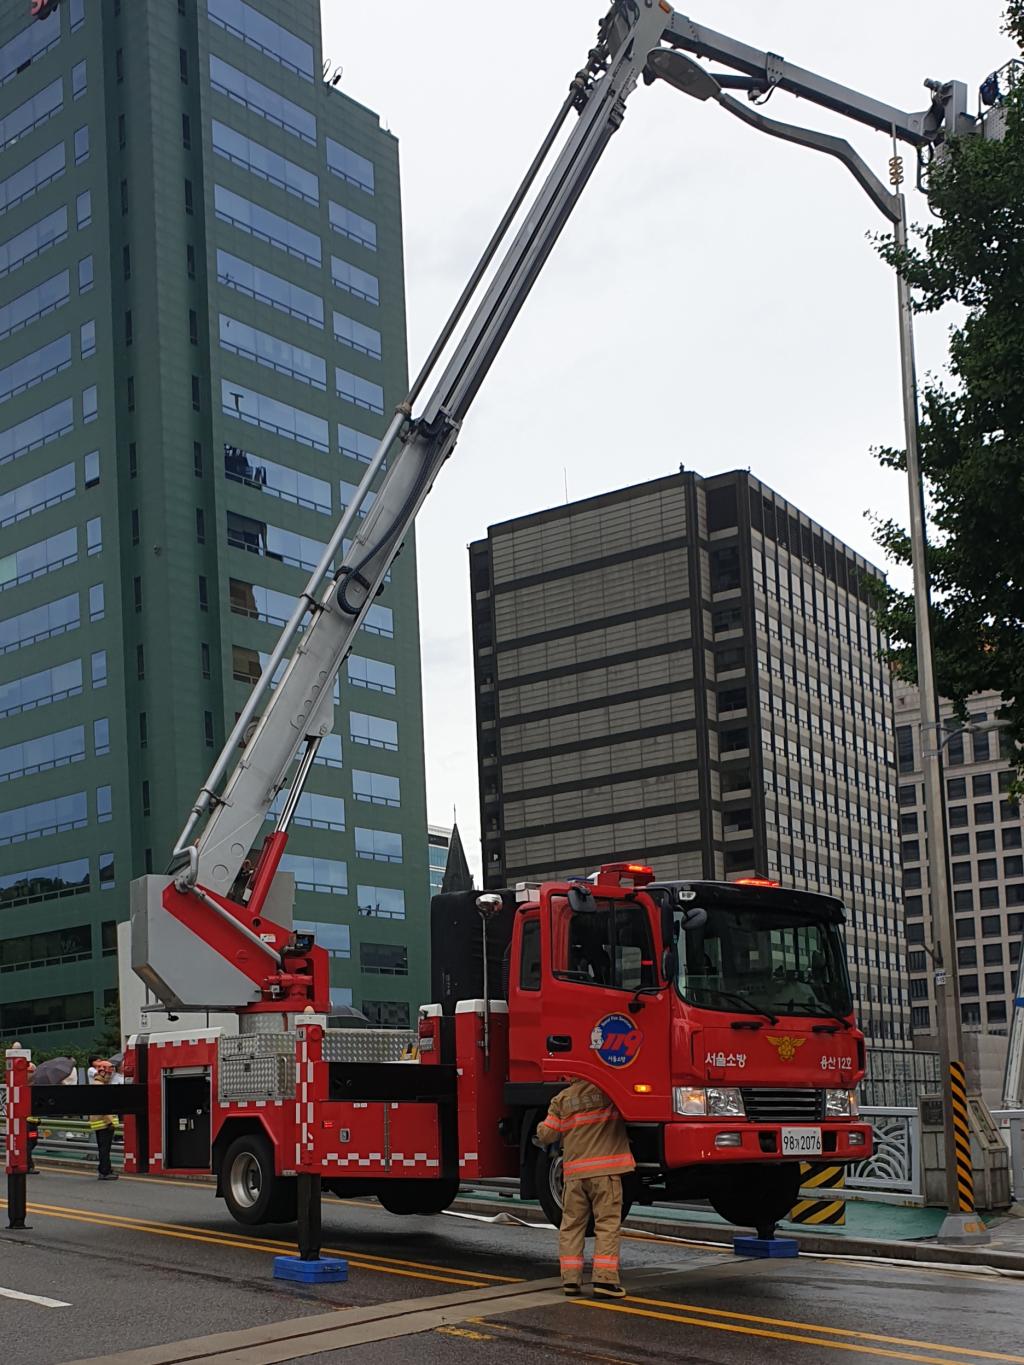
820 1243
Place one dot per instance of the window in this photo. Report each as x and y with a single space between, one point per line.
129 329
993 954
186 132
990 926
269 288
608 944
259 603
997 1012
119 65
375 731
325 876
353 225
79 80
204 599
382 1013
104 805
956 788
988 898
81 145
29 370
984 813
350 166
208 729
43 753
384 959
41 689
183 65
920 1017
124 197
188 198
1011 838
908 824
94 535
77 14
34 240
529 956
362 392
914 907
905 748
122 132
263 34
197 459
959 845
85 275
995 983
985 840
196 399
911 850
96 604
956 816
314 810
272 352
21 50
969 985
140 662
377 789
204 660
279 481
1009 810
967 957
200 526
145 798
357 444
131 393
357 335
42 557
962 872
272 415
43 818
982 745
963 900
334 938
37 430
919 989
955 748
101 737
147 860
87 338
48 490
190 261
23 184
1013 867
193 327
143 730
360 283
273 542
265 164
126 261
42 299
137 591
262 100
133 460
135 525
268 227
981 784
378 845
380 621
381 902
372 674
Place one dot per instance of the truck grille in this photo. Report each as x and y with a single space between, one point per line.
783 1106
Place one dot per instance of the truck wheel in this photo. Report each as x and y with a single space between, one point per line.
423 1197
756 1197
549 1184
253 1192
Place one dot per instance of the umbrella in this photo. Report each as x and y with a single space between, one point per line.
117 1059
54 1072
346 1016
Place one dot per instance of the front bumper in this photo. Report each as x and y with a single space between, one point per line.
692 1143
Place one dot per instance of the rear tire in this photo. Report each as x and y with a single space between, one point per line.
423 1197
756 1196
253 1192
549 1185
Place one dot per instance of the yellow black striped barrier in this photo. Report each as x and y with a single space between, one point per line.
830 1211
962 1137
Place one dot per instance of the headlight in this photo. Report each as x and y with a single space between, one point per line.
724 1102
841 1104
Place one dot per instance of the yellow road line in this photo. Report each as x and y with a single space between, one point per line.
149 1224
833 1331
212 1239
862 1348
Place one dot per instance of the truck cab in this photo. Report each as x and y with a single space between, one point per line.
717 1016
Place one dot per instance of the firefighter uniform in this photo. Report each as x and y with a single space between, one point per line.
595 1156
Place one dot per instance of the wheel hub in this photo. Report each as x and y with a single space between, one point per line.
246 1180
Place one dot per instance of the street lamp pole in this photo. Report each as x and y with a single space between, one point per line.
961 1223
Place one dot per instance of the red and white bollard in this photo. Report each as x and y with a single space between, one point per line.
19 1107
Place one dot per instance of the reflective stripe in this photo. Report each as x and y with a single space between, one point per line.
607 1262
584 1120
572 1262
618 1161
552 1122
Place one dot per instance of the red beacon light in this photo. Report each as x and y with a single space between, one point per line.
755 881
625 874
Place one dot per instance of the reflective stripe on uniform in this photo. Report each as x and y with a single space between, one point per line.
606 1164
606 1262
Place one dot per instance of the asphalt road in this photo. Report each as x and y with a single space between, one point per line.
141 1262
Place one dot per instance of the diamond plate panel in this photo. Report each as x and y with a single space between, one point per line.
368 1044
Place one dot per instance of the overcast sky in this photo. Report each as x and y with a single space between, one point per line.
713 301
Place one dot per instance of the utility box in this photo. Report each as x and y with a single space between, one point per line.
990 1159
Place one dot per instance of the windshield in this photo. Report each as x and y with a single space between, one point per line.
749 960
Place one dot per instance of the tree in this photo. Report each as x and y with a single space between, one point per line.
972 424
108 1039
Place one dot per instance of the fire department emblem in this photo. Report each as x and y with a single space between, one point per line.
616 1040
785 1046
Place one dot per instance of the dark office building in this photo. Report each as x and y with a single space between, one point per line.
686 672
201 330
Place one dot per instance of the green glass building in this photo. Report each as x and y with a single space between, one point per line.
202 328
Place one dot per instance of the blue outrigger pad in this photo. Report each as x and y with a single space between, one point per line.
761 1248
327 1270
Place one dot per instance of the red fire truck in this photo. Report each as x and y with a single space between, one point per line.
717 1016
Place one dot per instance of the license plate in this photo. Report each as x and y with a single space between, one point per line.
801 1142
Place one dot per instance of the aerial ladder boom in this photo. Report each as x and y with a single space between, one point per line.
200 939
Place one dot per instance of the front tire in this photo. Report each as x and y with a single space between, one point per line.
253 1192
757 1196
549 1185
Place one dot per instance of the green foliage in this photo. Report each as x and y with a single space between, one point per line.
108 1039
972 422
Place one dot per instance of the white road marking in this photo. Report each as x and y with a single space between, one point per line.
33 1298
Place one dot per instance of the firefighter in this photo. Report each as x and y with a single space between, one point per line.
595 1156
103 1124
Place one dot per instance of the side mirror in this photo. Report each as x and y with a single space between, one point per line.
693 918
581 899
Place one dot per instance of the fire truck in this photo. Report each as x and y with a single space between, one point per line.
716 1016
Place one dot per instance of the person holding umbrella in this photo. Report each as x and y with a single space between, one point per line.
57 1071
103 1124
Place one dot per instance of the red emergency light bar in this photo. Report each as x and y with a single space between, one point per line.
625 874
755 881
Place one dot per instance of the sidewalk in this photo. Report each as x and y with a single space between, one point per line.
887 1231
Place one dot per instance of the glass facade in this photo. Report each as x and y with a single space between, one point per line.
149 457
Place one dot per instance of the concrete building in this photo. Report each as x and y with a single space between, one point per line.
986 864
439 838
201 329
686 671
